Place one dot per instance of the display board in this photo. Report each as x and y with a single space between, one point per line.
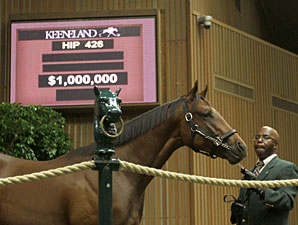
57 63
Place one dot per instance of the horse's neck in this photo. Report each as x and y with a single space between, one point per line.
153 148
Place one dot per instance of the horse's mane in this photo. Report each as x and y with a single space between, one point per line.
135 127
146 121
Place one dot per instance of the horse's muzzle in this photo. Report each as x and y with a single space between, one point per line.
241 147
114 116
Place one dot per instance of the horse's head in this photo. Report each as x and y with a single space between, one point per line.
207 132
108 103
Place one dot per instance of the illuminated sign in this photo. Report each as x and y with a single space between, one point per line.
57 63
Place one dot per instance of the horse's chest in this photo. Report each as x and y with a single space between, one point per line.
128 209
128 216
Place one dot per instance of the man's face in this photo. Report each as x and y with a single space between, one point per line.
265 143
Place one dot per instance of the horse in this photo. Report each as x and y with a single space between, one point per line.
149 139
110 31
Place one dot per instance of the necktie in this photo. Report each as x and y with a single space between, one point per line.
259 166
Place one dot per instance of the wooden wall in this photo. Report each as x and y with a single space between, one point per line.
249 18
188 53
269 71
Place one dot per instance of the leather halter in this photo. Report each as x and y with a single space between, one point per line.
195 129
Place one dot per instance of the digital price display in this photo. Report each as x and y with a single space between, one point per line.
57 63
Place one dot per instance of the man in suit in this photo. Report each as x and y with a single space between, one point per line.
266 206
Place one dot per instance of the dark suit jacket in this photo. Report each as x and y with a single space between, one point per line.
275 208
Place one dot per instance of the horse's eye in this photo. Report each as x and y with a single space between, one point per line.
119 101
206 115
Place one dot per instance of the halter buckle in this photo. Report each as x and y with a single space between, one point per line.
218 141
188 116
195 129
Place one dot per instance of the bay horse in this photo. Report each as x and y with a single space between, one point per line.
149 140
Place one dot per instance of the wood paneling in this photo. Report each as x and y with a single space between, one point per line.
269 70
247 20
287 126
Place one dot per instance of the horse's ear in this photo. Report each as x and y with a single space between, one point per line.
118 91
194 90
96 91
204 92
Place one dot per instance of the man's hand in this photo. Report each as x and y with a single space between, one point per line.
236 209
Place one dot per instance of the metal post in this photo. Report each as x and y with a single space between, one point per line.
105 185
107 113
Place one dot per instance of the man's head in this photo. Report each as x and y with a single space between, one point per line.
266 142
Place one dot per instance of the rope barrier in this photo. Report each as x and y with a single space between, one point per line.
205 180
127 166
46 174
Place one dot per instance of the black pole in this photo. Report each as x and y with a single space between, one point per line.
105 196
105 186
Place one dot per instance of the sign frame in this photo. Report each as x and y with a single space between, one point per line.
115 15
